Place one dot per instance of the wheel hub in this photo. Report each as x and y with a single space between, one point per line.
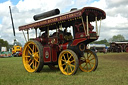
67 62
87 60
32 56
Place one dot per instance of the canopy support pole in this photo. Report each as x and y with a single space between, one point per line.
100 25
28 34
56 31
83 24
48 32
40 33
24 35
36 32
60 27
87 25
96 26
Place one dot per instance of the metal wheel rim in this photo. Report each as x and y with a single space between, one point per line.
87 62
30 57
67 63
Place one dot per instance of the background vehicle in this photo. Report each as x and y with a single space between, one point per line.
118 47
4 53
17 47
62 48
97 47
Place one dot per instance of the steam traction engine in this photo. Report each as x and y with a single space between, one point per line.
62 48
119 47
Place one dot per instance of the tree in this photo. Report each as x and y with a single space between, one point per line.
3 43
116 38
101 42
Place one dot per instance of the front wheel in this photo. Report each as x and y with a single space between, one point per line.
88 62
68 62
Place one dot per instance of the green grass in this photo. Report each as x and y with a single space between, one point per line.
112 70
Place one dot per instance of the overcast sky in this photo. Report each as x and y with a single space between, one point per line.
116 21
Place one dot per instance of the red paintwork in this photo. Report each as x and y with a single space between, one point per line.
61 36
54 54
20 53
76 41
48 50
64 46
80 35
38 39
53 40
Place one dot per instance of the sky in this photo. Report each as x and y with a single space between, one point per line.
116 21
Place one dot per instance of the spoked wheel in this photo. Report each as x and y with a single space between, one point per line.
88 62
126 49
33 56
68 62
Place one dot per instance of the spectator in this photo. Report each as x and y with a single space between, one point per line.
106 49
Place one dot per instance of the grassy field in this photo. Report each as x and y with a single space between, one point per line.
112 70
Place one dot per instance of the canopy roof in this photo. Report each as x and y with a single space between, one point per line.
66 19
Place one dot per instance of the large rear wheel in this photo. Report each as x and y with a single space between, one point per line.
33 56
88 62
68 62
